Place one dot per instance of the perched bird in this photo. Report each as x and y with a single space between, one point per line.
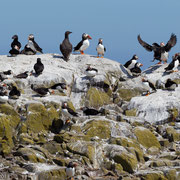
83 44
5 75
100 48
59 86
90 72
136 69
23 75
90 111
41 91
131 63
160 51
70 170
66 46
170 85
15 45
8 72
149 85
31 48
14 93
38 67
172 67
67 111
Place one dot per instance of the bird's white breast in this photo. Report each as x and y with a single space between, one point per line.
70 172
90 73
176 64
100 49
3 99
132 65
164 56
85 45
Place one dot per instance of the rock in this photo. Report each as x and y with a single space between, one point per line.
153 150
172 134
146 137
131 112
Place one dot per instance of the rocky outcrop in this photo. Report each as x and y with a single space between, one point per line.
136 136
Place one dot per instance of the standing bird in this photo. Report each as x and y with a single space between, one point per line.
14 93
149 85
41 91
15 45
172 67
160 51
31 48
170 85
70 170
136 69
83 44
131 63
67 111
66 46
100 48
38 67
90 72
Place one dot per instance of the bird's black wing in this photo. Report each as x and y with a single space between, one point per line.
78 45
172 42
72 112
66 49
127 63
37 47
144 44
104 49
152 86
170 66
38 68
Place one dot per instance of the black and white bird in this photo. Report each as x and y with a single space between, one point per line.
83 44
149 86
38 67
15 46
41 91
100 48
91 72
59 86
67 111
66 46
14 92
131 63
172 67
23 75
91 111
31 48
136 70
5 75
170 85
160 51
70 170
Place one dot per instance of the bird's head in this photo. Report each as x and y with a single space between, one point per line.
135 57
38 60
15 37
162 44
31 37
86 36
100 40
68 32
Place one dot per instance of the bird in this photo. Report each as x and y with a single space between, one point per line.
5 75
8 72
170 85
67 111
14 92
66 46
91 72
131 63
15 45
38 67
23 75
172 67
83 44
150 86
70 170
41 91
160 51
100 48
136 69
31 48
59 86
90 111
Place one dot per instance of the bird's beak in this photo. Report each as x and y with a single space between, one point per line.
141 64
52 92
4 85
89 37
67 121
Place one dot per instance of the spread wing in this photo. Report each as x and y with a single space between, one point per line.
172 42
144 44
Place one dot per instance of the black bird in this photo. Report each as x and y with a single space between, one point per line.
14 93
136 69
66 46
131 63
41 91
15 45
39 67
83 44
23 75
8 72
68 111
59 86
170 85
160 51
172 67
90 111
31 48
149 85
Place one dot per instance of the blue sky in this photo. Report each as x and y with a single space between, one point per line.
118 22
